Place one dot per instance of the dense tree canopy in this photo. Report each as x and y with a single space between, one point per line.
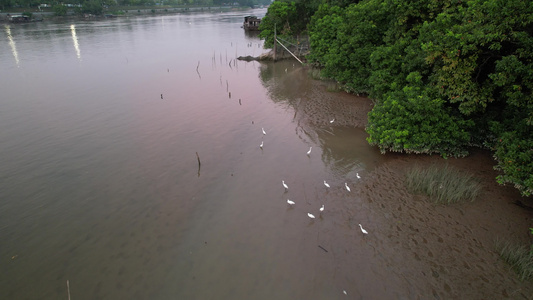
444 75
287 18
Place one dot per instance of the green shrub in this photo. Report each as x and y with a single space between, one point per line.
514 154
412 121
443 185
342 41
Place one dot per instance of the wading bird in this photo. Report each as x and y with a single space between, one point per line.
264 132
284 185
326 184
261 146
309 152
364 231
357 174
290 202
347 187
310 216
333 120
322 208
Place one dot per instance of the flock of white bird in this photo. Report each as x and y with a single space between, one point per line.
321 209
310 215
286 187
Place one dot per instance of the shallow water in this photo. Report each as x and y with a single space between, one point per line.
100 185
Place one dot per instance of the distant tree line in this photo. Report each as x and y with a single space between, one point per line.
444 75
7 4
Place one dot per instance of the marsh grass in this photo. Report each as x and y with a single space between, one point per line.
520 258
315 73
443 184
333 87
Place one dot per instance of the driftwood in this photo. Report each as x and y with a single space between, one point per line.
269 56
263 57
247 58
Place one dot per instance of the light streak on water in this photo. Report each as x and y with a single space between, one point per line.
12 44
75 40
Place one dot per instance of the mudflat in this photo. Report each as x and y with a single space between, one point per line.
436 251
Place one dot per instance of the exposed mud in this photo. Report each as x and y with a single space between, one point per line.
437 251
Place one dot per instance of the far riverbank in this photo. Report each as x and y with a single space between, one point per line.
119 11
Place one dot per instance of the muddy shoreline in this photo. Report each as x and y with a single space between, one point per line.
439 252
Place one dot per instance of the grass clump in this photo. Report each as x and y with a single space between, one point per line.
315 74
333 87
520 258
444 185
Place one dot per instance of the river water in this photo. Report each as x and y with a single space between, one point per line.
101 123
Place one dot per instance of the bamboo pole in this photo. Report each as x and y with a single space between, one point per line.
275 40
289 52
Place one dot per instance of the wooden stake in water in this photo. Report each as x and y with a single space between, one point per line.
199 163
197 70
68 290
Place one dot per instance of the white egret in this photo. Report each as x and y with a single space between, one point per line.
345 293
309 152
322 208
310 216
261 146
357 174
290 202
333 120
347 187
284 185
364 231
326 184
264 132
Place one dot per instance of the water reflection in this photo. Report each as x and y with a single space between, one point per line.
12 44
343 143
117 163
75 40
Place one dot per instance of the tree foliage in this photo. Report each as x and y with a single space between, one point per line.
287 19
92 7
342 41
444 75
415 120
60 10
278 20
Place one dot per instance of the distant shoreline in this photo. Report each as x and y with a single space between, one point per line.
122 11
